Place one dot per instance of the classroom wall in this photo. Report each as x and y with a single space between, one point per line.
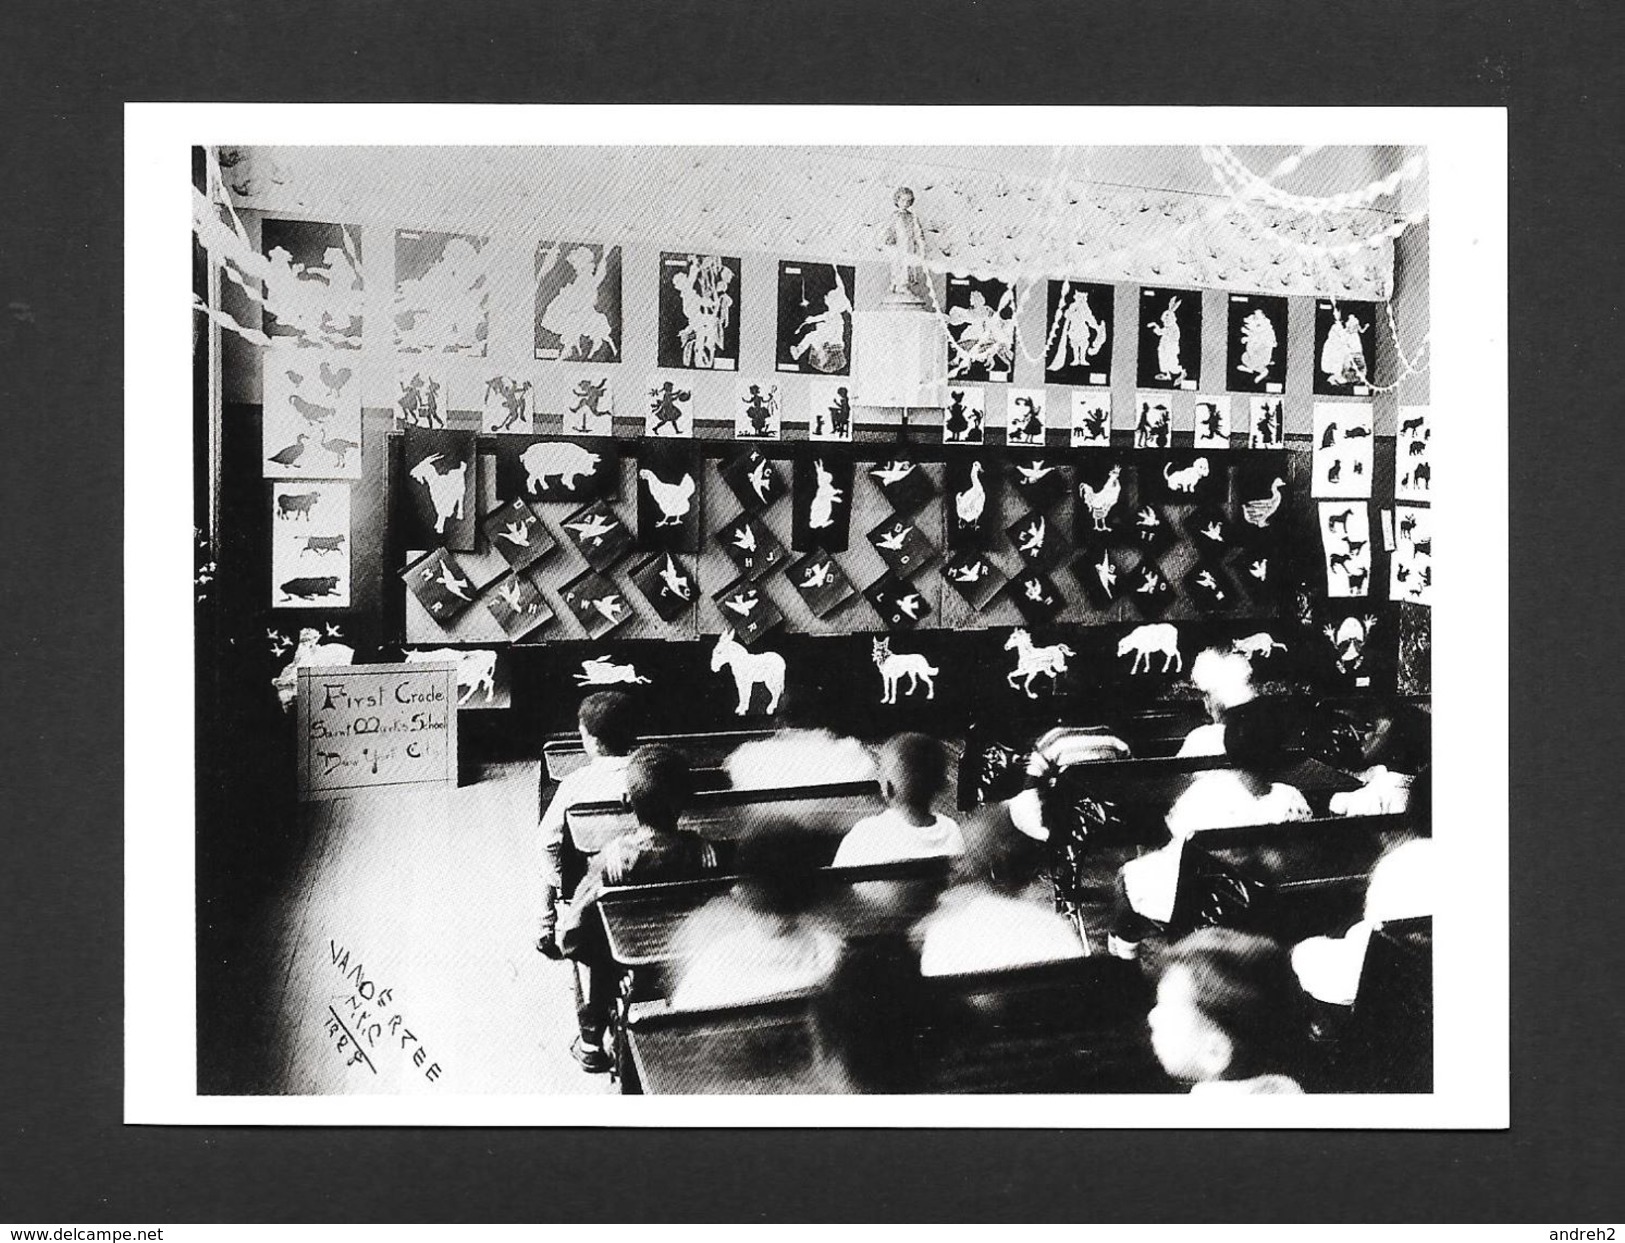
383 615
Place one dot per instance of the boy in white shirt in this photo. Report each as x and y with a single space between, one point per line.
913 772
608 735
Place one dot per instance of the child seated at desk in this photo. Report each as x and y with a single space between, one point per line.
757 941
1229 1017
659 782
608 734
804 751
1254 741
913 773
1225 678
999 911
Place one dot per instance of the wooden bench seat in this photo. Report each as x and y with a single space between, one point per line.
1077 1026
1290 880
726 815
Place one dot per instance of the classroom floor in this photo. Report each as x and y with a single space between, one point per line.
403 956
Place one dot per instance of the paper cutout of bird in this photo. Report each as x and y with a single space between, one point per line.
517 533
820 575
673 499
1032 539
593 528
1149 585
309 410
511 597
331 631
332 380
744 539
1106 572
893 540
671 574
744 604
889 473
1260 569
1033 589
969 573
1036 471
1147 518
759 480
1259 512
292 454
970 503
448 579
609 608
1214 531
909 606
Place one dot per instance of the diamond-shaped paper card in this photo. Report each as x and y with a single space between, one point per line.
821 583
748 608
905 484
517 533
1103 573
598 535
440 585
1041 480
517 606
1037 539
1035 597
596 603
1209 589
1149 588
900 604
901 546
974 577
1151 528
754 479
668 584
751 546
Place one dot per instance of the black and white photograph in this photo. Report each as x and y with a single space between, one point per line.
313 277
1078 346
441 293
815 318
578 302
1343 348
1170 339
1255 350
981 329
706 832
699 312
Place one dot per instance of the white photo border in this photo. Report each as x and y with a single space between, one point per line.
1468 269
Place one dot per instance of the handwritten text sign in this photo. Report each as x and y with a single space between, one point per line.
366 726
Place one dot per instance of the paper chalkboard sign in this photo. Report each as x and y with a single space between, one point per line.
363 727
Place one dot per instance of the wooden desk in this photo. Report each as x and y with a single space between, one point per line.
726 815
1297 879
563 755
1075 1026
640 921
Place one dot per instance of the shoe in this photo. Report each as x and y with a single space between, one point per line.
590 1057
547 945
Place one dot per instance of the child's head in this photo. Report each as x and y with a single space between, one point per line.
1257 735
913 770
997 853
1228 1007
607 724
1225 678
659 781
